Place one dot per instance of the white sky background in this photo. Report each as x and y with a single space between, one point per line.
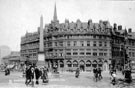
19 16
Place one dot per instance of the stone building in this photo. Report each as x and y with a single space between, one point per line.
70 45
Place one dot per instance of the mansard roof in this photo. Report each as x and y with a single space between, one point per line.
80 27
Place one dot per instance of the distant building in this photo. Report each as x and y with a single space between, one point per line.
12 59
85 45
4 51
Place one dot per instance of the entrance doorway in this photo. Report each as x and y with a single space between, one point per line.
82 67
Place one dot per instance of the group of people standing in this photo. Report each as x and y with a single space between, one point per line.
97 73
32 72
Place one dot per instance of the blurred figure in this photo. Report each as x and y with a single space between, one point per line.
99 73
44 75
77 73
128 77
37 74
113 77
28 75
32 76
7 71
95 72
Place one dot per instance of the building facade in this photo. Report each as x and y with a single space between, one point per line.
4 51
83 45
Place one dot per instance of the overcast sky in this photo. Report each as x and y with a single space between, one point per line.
19 16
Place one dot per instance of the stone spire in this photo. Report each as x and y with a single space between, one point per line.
41 42
55 13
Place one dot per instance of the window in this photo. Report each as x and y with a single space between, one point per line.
100 43
61 43
133 54
105 44
61 54
94 54
88 49
88 64
82 43
88 43
55 43
49 44
68 43
75 53
75 64
100 37
88 53
129 54
69 64
105 54
94 49
60 49
68 49
68 53
94 36
81 53
81 49
94 43
100 54
75 49
75 43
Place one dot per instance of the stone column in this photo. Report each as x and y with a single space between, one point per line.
41 53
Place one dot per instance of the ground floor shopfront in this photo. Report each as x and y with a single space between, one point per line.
72 65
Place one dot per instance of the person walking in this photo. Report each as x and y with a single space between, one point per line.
44 75
113 77
77 72
95 73
37 74
99 73
28 75
32 76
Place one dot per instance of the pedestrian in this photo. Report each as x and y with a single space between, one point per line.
99 73
28 75
32 76
113 77
77 73
44 75
95 73
128 77
37 74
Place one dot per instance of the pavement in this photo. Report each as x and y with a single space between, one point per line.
62 80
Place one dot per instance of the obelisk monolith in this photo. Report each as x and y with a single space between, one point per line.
41 53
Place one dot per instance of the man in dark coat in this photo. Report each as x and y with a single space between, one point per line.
37 74
28 75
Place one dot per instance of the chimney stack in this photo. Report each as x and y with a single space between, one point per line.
129 30
114 26
120 27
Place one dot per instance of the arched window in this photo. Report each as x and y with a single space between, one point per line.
61 64
69 64
75 64
82 62
94 64
100 63
88 63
